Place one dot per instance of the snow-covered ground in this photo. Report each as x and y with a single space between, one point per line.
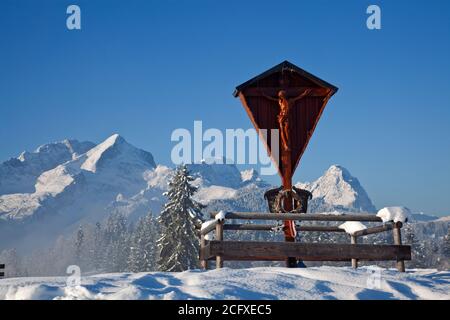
254 283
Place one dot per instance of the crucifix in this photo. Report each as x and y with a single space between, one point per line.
283 117
286 103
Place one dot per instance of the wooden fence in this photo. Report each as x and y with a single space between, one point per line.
220 249
2 270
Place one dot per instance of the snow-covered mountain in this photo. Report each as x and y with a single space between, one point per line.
111 167
61 185
18 175
52 190
79 189
337 189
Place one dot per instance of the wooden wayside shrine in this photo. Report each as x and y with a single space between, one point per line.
289 101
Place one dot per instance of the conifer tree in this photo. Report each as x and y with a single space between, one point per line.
116 243
143 245
178 244
79 243
98 247
443 262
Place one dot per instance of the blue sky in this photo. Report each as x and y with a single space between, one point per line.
145 68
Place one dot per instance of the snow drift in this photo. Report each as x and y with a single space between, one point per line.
321 283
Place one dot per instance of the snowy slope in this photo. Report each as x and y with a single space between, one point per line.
423 217
256 283
225 175
148 199
251 177
206 195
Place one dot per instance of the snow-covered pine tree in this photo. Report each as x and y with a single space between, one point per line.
178 244
98 247
446 246
136 253
419 251
116 244
11 260
143 245
446 250
79 243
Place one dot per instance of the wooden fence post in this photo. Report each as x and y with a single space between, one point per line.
203 263
398 241
2 268
354 240
219 237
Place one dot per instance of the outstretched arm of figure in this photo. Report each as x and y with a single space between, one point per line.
266 96
302 95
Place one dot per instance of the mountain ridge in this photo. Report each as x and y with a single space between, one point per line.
17 174
337 189
116 177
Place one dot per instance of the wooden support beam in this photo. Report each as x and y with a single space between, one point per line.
319 229
205 252
278 251
292 91
398 241
354 240
249 227
203 262
219 238
302 217
269 227
378 229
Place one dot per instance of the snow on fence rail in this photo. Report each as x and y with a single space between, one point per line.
221 250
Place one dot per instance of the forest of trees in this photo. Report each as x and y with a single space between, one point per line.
164 243
111 246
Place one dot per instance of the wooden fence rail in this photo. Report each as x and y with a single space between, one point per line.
301 217
278 251
269 227
220 249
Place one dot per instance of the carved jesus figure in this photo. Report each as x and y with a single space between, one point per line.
283 117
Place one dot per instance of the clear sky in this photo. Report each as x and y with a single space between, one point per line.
144 68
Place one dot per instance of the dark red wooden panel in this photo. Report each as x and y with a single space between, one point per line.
304 114
303 118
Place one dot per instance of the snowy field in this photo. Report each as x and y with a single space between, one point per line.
255 283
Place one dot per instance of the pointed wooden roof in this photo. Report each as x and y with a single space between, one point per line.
283 67
304 114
